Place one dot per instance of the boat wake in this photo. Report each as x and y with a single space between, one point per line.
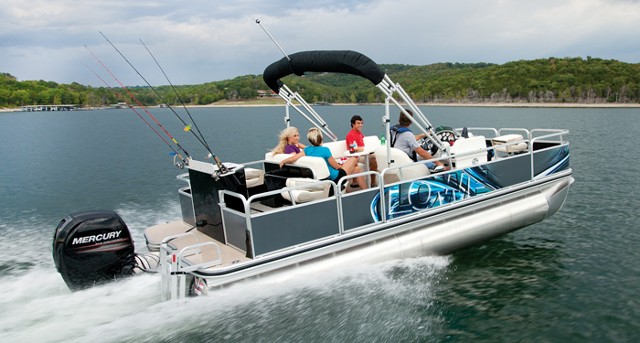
340 305
343 305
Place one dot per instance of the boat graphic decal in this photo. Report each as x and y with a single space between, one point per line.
410 197
558 161
446 188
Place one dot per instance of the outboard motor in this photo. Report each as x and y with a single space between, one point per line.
91 248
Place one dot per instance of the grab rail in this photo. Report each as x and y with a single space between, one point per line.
184 177
172 265
246 202
169 282
196 250
554 133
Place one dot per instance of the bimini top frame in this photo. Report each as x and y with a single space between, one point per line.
347 62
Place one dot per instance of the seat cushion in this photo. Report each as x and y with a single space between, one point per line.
510 140
313 190
399 158
317 164
255 177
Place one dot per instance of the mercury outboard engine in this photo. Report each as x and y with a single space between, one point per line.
91 248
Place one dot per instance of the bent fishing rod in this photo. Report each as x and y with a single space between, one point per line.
222 169
141 106
175 91
134 110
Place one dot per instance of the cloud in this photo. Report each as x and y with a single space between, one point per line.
199 41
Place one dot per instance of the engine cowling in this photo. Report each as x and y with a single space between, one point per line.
93 247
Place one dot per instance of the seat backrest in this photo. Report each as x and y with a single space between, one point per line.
469 152
514 143
317 165
398 158
372 142
338 148
312 190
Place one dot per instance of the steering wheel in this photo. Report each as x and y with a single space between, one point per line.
428 145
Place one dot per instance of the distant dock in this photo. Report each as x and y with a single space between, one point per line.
41 108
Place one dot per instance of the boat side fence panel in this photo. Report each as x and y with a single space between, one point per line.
235 228
510 171
354 214
297 225
550 160
186 206
204 193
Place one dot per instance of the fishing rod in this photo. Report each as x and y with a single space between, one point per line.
218 162
133 109
176 93
287 95
273 39
141 106
221 167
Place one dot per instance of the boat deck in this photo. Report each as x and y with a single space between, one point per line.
155 234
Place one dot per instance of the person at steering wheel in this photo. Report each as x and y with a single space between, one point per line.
403 139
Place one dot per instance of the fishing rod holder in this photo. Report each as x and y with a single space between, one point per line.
180 164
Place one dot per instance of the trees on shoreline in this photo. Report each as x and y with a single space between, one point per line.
556 80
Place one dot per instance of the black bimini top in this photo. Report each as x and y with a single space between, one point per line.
331 61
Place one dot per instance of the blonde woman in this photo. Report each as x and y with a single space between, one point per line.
289 142
336 171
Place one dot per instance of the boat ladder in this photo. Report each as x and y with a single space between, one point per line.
176 263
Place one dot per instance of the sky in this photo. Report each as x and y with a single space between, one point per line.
198 41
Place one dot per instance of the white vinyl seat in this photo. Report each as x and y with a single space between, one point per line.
312 190
469 152
372 142
399 158
255 177
317 165
338 148
512 143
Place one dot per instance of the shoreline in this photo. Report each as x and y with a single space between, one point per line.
514 105
497 104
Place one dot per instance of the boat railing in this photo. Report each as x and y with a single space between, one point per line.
342 183
183 177
248 215
508 130
476 130
553 136
170 267
546 135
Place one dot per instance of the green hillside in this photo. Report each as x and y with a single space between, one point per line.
552 80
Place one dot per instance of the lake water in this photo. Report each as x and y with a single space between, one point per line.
572 278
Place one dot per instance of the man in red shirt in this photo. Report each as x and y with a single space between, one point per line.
356 135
